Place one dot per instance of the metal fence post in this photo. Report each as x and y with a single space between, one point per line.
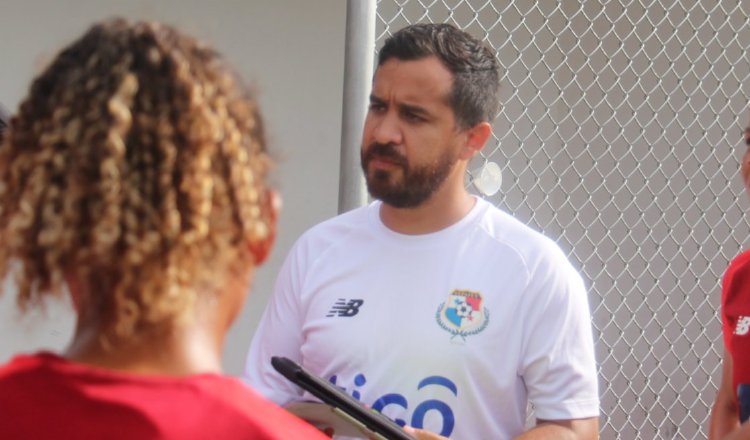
358 66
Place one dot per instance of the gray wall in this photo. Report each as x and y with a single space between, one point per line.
292 51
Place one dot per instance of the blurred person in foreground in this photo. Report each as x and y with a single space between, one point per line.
431 305
133 177
732 404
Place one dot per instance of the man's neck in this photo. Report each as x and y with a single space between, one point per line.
434 214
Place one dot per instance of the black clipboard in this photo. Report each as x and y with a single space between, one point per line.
369 421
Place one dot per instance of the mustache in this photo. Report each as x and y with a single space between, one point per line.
384 151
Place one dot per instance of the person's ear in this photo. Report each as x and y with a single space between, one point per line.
261 250
476 138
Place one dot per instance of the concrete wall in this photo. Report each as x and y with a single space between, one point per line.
291 50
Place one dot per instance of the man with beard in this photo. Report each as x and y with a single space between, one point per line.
430 304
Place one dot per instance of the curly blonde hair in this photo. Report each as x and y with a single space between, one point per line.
137 166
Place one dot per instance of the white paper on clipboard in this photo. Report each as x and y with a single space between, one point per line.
325 417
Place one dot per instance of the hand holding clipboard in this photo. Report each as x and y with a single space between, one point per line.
369 421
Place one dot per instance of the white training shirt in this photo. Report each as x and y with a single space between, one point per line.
453 331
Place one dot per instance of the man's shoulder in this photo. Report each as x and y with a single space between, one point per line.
335 228
539 256
512 232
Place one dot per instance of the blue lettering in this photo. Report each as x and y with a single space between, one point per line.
391 399
436 405
445 411
438 380
421 410
359 380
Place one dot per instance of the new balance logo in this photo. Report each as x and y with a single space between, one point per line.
344 308
743 326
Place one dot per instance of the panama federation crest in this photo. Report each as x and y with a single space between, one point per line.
463 314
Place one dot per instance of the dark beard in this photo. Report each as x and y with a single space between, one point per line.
418 183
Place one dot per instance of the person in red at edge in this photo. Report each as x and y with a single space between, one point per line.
133 176
735 317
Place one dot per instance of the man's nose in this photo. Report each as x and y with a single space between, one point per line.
387 129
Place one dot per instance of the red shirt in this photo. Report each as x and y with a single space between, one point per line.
735 317
45 396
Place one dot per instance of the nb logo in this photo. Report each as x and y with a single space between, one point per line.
743 326
344 308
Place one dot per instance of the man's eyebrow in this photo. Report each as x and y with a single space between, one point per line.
411 108
414 109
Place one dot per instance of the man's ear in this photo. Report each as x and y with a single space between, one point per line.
476 138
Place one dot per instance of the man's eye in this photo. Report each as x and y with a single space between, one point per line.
413 117
375 107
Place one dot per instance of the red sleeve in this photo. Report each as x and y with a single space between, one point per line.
736 279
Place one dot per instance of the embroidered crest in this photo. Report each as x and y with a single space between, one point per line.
463 314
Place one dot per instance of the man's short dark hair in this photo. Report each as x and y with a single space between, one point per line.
476 78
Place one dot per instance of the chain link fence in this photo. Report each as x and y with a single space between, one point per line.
619 136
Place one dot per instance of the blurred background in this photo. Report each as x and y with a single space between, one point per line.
619 136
